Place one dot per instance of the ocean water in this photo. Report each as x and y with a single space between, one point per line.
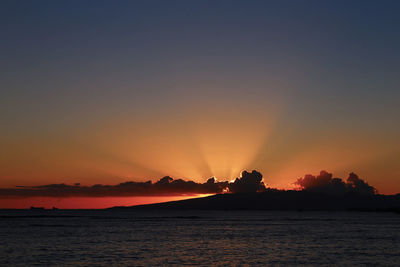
116 238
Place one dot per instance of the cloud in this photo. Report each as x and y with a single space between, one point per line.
324 183
248 182
357 185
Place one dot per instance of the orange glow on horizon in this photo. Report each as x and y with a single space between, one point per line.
87 202
196 145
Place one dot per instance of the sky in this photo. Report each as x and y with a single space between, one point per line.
105 92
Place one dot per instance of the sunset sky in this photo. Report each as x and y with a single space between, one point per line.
104 92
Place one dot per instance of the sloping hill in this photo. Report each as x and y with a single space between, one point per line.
282 200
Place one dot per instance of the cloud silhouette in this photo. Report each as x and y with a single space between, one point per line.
324 183
248 182
165 186
359 186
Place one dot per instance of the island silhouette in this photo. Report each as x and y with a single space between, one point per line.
321 192
246 192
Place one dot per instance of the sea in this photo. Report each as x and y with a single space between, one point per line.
198 238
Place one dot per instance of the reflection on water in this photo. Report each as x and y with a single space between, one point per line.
198 237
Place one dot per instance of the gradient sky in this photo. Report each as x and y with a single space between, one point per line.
102 92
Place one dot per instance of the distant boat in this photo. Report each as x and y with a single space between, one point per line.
37 208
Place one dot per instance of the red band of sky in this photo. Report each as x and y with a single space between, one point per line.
86 202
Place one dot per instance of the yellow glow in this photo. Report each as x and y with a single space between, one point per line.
196 145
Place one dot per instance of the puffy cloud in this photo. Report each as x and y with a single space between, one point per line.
324 183
249 182
359 186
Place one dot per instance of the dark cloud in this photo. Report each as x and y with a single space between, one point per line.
248 182
357 185
324 183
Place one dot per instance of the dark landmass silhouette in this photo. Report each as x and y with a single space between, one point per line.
281 200
247 192
321 192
